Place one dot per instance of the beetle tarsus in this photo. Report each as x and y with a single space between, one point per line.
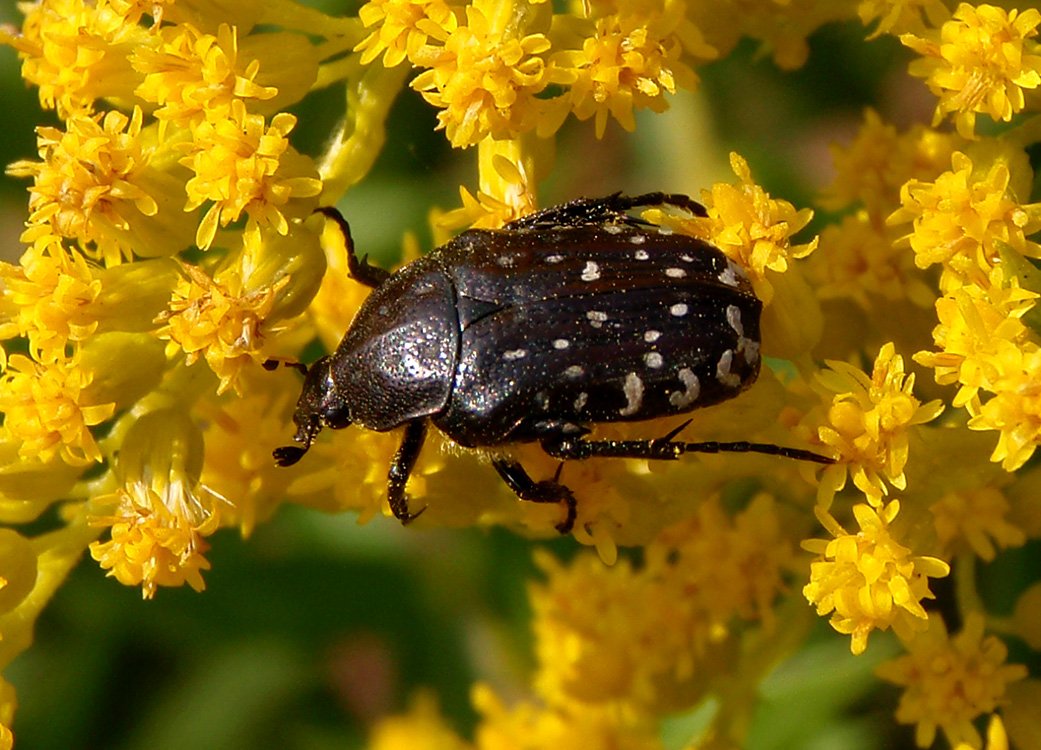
401 468
359 268
288 455
546 491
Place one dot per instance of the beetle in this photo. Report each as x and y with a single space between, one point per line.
573 315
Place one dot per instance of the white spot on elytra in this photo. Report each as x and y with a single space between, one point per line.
513 354
723 373
613 229
580 402
734 319
575 371
554 258
543 400
691 389
505 261
561 343
686 259
653 360
651 336
638 239
596 318
679 309
641 255
633 390
733 274
664 231
591 272
751 350
675 273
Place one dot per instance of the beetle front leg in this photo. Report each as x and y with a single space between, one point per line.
359 268
401 468
546 491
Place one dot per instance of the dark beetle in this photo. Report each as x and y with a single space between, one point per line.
574 315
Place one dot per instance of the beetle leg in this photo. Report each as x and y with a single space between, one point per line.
359 269
546 491
401 468
666 449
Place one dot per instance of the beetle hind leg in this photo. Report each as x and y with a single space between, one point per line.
667 449
546 491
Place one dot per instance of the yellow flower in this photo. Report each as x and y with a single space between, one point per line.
484 80
598 638
753 229
972 519
506 194
980 329
874 167
193 75
1015 409
49 409
242 164
897 16
867 580
629 62
950 682
867 425
76 52
721 567
96 186
160 515
531 726
404 28
219 319
981 60
961 219
858 260
47 298
421 728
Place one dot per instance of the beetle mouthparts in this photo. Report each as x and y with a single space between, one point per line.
288 455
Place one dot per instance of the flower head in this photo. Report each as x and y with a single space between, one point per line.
242 164
49 409
194 76
753 229
219 320
867 580
403 28
950 682
159 517
867 425
484 80
980 61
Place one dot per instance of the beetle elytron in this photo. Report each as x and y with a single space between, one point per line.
573 315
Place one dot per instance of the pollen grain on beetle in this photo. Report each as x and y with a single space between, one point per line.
547 366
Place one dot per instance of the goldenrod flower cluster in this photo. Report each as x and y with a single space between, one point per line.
170 249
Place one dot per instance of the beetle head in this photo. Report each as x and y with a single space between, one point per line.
320 405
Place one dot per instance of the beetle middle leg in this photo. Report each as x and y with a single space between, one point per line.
546 491
401 468
666 449
359 268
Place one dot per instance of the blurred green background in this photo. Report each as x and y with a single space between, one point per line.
315 627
